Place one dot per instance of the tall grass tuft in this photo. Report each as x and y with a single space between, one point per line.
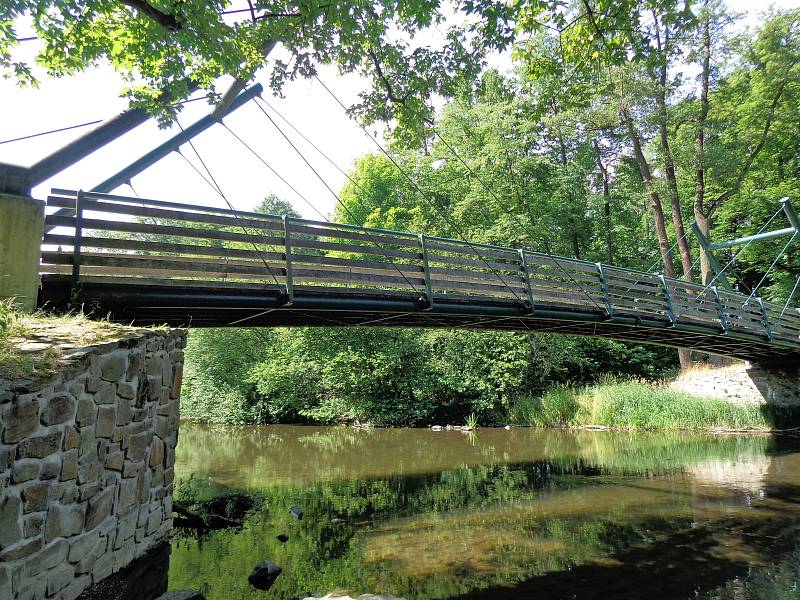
642 405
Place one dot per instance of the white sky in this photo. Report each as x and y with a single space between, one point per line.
94 95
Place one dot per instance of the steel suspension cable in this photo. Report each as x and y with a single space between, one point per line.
233 210
513 216
791 295
335 195
735 256
772 266
438 209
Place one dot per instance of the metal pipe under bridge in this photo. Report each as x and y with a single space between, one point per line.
152 262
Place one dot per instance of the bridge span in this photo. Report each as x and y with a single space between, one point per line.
152 262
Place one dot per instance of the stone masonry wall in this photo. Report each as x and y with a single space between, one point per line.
744 384
86 465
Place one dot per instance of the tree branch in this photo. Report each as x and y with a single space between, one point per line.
167 21
386 83
719 200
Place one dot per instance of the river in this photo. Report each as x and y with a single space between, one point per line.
495 513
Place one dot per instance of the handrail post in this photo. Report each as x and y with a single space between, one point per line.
723 322
604 289
77 241
668 300
426 271
527 279
288 255
765 318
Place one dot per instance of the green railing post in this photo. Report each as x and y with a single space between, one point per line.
668 300
765 318
426 271
604 288
78 240
723 321
527 277
288 254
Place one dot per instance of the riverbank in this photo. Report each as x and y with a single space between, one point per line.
641 405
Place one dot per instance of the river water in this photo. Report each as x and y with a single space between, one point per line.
497 513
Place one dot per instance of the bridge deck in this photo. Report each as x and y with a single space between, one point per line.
160 262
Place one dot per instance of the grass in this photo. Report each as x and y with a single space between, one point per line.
35 345
643 405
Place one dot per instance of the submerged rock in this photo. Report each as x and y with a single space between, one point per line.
264 575
282 537
296 512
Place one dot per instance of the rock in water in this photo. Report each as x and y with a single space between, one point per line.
282 537
264 575
296 512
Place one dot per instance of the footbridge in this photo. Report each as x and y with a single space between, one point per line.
152 262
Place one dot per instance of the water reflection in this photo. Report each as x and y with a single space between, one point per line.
421 514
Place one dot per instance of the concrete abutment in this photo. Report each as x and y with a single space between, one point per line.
87 465
776 385
21 226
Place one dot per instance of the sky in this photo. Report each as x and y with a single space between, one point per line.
243 178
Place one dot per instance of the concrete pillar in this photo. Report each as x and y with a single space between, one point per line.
21 227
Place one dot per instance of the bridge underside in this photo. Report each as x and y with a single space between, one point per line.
225 306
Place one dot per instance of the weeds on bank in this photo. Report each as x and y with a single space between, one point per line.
638 405
34 345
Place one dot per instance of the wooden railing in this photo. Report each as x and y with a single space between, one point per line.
116 239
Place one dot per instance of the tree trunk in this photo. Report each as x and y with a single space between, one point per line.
573 233
700 216
684 355
606 204
655 199
669 163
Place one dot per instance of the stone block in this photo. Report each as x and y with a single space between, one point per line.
63 521
154 521
69 466
39 446
169 476
138 444
123 556
106 421
10 516
51 467
25 470
115 460
126 390
93 383
135 364
35 496
126 529
83 545
100 507
106 394
58 409
161 426
156 452
113 366
88 490
132 469
21 549
90 471
103 567
33 524
51 556
158 476
76 588
86 413
124 411
5 581
88 442
70 493
20 419
59 578
177 381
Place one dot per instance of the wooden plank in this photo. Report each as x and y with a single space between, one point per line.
568 264
473 250
442 284
372 238
473 262
267 223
